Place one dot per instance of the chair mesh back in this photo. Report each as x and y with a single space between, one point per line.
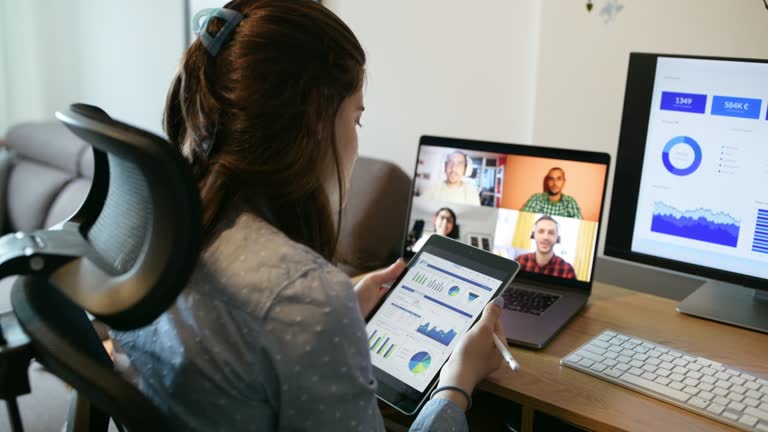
122 229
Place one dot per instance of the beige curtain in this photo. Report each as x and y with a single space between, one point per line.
522 238
586 242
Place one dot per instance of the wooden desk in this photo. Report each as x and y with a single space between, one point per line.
543 385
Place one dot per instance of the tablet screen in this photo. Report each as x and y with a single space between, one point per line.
417 327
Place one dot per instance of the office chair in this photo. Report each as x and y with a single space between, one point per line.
123 257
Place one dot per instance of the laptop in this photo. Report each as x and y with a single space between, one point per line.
540 206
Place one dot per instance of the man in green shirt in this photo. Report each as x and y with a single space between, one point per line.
553 201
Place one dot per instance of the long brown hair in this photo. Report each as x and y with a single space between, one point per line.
266 106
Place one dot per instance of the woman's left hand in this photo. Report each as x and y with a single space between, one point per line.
372 287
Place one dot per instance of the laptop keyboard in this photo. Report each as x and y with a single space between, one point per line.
706 387
526 301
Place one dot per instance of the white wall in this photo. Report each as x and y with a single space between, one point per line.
129 54
583 60
38 61
120 56
450 67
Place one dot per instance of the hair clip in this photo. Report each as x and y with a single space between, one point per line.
200 27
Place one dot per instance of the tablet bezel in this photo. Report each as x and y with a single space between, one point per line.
397 393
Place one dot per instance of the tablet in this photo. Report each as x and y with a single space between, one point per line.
435 301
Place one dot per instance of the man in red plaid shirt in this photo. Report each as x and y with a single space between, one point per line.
544 261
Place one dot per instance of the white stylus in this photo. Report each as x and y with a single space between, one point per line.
505 353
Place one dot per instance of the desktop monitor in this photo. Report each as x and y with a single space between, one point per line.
690 188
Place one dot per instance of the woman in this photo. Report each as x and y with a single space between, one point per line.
268 334
444 222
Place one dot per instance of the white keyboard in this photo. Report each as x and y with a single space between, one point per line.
706 387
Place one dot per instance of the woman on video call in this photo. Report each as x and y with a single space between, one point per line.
268 334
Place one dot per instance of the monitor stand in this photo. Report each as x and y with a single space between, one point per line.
729 303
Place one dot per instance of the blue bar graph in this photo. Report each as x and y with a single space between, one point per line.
760 240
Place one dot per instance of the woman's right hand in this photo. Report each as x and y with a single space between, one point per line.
475 356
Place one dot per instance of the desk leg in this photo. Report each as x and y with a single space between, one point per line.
527 421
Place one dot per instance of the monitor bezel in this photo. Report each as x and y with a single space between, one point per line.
520 150
630 154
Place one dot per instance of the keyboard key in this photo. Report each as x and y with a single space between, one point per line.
653 353
609 333
722 401
615 348
680 362
601 344
649 367
708 379
701 403
753 394
689 358
624 359
662 372
649 376
653 361
735 396
636 371
597 350
748 420
675 354
762 415
598 367
681 370
722 376
708 371
655 387
640 356
694 374
663 381
610 355
752 385
605 337
691 390
738 389
723 384
764 406
691 382
676 377
694 366
737 380
720 391
636 363
591 356
730 416
623 366
586 362
613 372
736 406
706 387
706 395
575 358
667 365
751 402
677 385
762 427
733 372
715 408
609 362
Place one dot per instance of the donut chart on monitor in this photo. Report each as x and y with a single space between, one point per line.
694 162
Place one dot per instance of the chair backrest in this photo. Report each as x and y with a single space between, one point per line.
123 257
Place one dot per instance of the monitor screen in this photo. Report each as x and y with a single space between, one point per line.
689 191
540 206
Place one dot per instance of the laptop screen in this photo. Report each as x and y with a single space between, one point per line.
540 206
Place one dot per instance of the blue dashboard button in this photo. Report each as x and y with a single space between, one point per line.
730 106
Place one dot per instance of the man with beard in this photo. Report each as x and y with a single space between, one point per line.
553 201
544 261
454 189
